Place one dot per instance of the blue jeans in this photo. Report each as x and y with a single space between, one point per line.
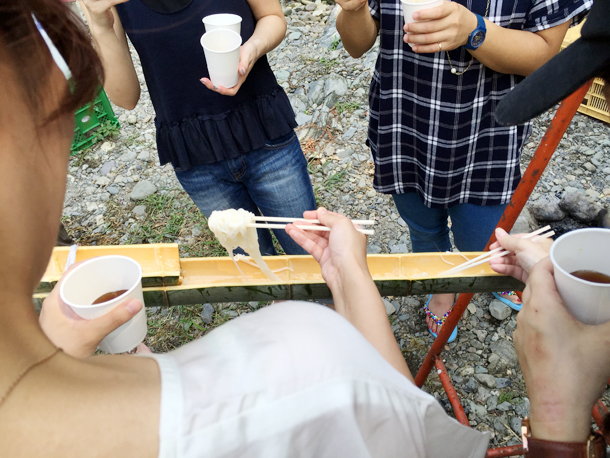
272 180
472 225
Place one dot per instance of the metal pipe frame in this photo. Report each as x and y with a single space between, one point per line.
536 167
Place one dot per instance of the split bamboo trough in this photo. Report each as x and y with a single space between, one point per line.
169 280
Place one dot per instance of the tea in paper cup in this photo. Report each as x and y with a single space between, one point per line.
221 48
97 286
581 260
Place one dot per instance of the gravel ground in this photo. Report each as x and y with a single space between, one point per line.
117 193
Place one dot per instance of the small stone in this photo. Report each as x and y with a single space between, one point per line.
471 386
229 314
373 249
107 146
547 209
129 156
344 153
486 379
515 424
112 190
142 190
196 232
389 307
492 402
505 351
467 371
590 167
119 179
503 382
91 206
480 333
523 409
482 394
102 181
144 156
580 207
131 119
303 118
499 310
107 168
206 313
139 210
472 308
294 36
505 406
480 370
478 410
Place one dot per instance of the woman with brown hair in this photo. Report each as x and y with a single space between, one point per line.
295 379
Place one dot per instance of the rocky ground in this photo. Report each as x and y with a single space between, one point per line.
117 194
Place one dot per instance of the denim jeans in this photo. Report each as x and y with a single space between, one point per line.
472 225
272 179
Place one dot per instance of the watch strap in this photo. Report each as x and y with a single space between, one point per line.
480 27
595 447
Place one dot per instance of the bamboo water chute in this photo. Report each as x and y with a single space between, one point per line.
169 280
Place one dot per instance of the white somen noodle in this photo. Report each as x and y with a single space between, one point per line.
231 229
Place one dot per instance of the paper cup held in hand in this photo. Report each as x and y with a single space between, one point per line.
583 249
98 276
222 21
410 7
221 48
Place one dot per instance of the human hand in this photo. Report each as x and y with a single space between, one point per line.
448 25
248 55
565 363
351 5
100 12
75 335
339 252
526 254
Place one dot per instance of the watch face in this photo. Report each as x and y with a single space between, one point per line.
477 39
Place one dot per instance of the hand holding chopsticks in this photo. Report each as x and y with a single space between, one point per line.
498 252
313 226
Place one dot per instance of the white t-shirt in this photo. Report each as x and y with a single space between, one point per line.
297 380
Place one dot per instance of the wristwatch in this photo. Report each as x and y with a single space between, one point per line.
476 38
595 447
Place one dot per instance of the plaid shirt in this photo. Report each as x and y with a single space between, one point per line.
433 132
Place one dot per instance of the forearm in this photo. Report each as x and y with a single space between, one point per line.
358 30
121 81
358 300
268 34
558 422
516 51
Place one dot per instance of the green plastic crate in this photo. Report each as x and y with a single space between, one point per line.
89 118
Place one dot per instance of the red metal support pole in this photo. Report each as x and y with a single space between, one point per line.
451 394
504 451
541 158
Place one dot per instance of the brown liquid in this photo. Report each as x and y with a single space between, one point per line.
109 296
592 275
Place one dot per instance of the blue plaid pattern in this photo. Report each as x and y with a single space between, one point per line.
433 132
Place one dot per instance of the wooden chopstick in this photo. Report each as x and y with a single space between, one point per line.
496 253
280 219
311 227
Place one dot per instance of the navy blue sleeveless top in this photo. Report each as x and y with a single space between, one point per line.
196 126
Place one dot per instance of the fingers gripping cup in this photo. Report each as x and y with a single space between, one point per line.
411 6
221 48
97 286
581 261
222 21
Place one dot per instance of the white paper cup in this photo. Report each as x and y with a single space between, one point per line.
583 249
221 48
408 8
222 21
98 276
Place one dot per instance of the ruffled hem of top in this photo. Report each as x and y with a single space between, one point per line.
207 139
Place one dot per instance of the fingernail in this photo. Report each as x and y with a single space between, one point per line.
322 210
201 80
242 71
133 306
215 88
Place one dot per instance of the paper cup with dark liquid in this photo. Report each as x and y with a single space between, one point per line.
98 285
581 260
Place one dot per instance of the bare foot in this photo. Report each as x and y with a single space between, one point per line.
141 348
439 304
511 297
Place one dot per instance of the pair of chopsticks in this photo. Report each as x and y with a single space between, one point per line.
314 226
498 252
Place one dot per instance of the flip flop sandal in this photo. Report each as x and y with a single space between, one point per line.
439 321
508 302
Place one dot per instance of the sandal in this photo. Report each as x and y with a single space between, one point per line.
439 321
508 302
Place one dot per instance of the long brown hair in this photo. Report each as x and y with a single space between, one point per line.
30 58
